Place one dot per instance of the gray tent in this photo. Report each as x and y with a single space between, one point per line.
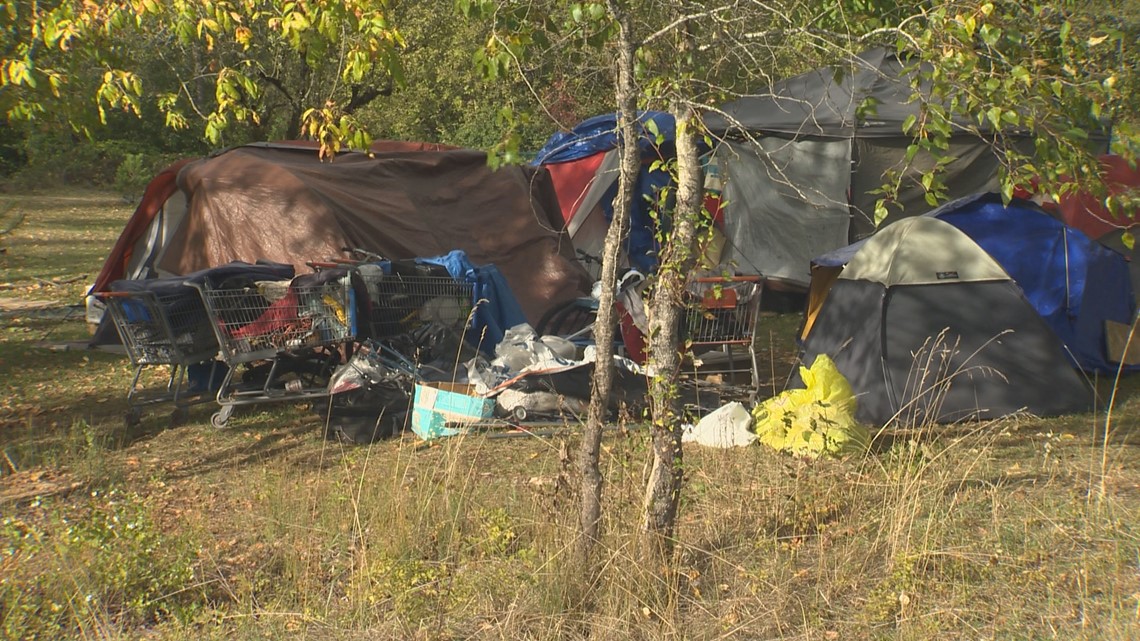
805 156
927 326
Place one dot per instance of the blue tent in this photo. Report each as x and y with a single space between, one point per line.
1075 283
600 133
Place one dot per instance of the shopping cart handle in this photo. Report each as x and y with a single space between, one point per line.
320 264
729 279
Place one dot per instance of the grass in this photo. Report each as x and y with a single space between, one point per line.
1019 529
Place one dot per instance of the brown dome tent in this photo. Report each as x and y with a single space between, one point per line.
281 202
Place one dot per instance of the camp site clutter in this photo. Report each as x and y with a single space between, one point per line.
237 274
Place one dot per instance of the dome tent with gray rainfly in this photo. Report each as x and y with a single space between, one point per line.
926 326
805 157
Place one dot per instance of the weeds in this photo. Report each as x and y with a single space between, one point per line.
1018 529
94 567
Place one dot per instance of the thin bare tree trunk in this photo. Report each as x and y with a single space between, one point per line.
588 454
666 310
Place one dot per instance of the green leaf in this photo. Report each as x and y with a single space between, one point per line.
909 123
989 35
651 127
1021 74
881 212
993 114
1128 239
971 25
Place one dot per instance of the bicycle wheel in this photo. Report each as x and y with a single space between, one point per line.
574 318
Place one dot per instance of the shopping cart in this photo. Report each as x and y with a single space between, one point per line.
164 329
423 315
284 335
721 324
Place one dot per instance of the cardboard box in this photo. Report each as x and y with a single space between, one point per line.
436 405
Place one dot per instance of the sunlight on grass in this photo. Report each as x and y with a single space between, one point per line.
266 530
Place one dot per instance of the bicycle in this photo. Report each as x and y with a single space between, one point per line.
575 319
722 312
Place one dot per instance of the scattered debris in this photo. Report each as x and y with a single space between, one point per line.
729 426
816 420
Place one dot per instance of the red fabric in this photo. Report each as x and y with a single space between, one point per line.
631 337
572 180
715 207
280 315
1087 213
157 192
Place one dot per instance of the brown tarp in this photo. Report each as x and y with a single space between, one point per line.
283 204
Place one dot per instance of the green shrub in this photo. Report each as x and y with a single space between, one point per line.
98 565
133 174
66 160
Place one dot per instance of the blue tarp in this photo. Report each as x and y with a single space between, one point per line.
598 134
496 308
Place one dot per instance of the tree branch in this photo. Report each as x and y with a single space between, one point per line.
276 83
361 95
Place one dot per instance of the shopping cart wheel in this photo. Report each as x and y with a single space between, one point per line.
222 416
132 418
178 416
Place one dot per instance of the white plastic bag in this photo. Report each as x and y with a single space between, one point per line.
728 426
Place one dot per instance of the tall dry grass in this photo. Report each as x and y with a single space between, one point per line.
1018 529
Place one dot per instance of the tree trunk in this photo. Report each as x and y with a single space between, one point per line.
588 454
666 310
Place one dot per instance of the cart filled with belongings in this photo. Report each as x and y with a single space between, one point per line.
721 318
423 318
163 323
288 335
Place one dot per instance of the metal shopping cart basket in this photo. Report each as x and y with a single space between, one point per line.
721 324
164 329
423 315
286 334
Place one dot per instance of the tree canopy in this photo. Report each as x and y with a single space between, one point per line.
480 72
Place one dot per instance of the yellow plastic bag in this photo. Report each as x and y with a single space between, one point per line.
817 420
